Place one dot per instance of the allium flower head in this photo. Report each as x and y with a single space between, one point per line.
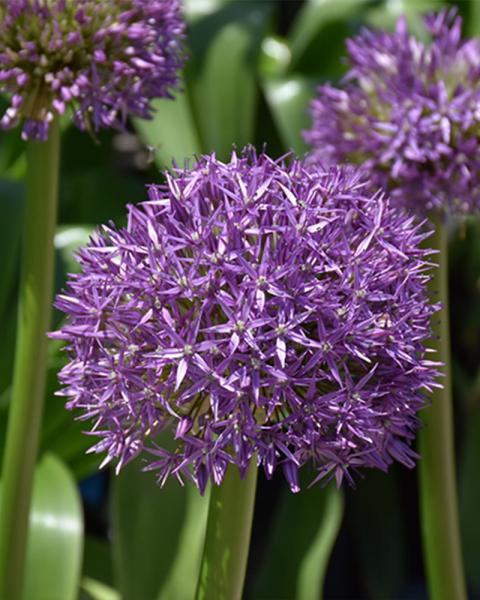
104 59
257 310
410 113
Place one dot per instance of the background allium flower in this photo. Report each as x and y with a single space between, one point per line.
259 311
410 113
105 59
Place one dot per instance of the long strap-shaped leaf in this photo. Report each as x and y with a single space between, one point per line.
55 535
304 532
157 534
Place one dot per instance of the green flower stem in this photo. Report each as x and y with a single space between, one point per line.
35 304
438 484
227 539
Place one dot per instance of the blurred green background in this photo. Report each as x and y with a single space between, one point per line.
253 67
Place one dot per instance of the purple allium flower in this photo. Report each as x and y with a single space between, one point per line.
258 310
410 112
104 59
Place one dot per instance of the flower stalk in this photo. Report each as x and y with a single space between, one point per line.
438 496
35 303
229 525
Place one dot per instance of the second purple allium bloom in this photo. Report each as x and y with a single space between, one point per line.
259 311
105 60
410 114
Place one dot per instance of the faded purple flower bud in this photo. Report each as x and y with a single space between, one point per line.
105 60
409 112
256 310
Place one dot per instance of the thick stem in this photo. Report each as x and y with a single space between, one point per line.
438 484
227 539
35 303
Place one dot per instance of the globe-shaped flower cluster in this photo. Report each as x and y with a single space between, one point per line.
104 59
257 310
409 112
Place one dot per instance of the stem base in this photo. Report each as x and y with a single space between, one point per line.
227 539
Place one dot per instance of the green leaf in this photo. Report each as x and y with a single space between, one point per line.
473 21
224 49
189 549
11 209
304 532
97 560
96 590
55 538
165 523
288 99
317 37
378 524
172 133
196 9
68 239
314 564
12 147
8 322
97 195
275 56
385 16
470 497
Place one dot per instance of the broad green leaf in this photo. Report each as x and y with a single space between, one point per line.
464 259
11 210
321 27
304 532
288 100
8 326
97 176
189 550
172 133
70 442
224 50
68 239
378 525
473 21
385 16
55 538
12 147
275 56
96 590
196 9
164 523
97 561
313 566
98 195
470 497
